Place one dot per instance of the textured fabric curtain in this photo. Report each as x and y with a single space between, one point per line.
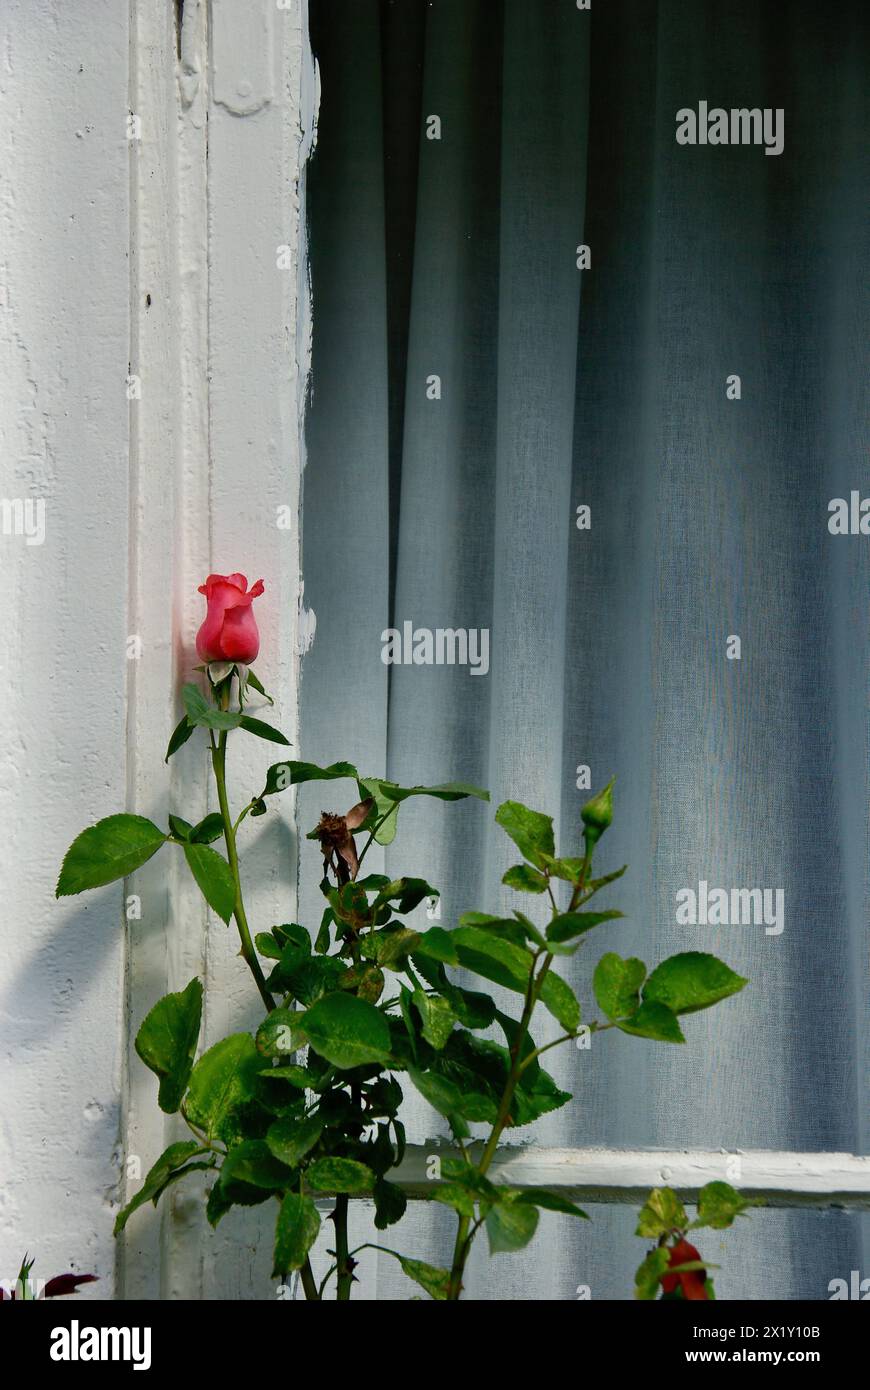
454 505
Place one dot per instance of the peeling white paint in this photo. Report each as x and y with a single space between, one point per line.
306 626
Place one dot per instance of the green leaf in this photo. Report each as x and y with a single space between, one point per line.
210 828
109 850
446 791
291 1075
568 870
434 1280
323 940
279 1033
504 928
278 779
390 946
310 772
532 933
654 1021
406 893
570 924
558 996
510 1224
212 873
531 832
292 937
166 1042
373 882
222 1078
267 945
441 1093
340 1175
385 830
384 1096
390 1203
437 1017
477 1070
473 1009
296 1230
616 983
691 981
253 1163
180 734
180 828
595 883
521 1039
648 1277
310 979
201 713
367 981
383 818
262 730
255 682
437 944
347 1031
549 1201
453 1194
493 957
290 1140
662 1213
536 1095
718 1204
169 1167
525 879
218 1204
508 964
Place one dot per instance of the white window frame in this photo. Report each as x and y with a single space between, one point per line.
773 1178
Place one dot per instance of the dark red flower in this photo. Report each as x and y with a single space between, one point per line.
337 844
67 1283
693 1282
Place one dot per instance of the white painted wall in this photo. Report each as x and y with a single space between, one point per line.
64 438
143 498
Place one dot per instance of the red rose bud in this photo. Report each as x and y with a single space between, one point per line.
693 1282
229 632
598 813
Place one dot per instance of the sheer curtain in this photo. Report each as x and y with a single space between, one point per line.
456 258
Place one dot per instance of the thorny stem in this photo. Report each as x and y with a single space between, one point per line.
566 1037
306 1274
219 765
344 1265
344 1268
466 1232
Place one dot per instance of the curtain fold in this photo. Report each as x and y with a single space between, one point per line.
453 506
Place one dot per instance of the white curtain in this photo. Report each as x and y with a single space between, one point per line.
606 387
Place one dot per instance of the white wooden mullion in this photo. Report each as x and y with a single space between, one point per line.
221 354
783 1179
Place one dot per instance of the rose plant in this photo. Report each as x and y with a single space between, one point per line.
307 1110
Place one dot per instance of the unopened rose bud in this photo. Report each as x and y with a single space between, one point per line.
598 813
229 633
